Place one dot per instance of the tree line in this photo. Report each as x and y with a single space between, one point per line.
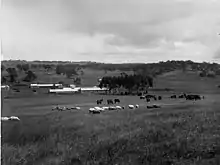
133 82
13 74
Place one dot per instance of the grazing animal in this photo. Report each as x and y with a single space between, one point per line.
136 106
159 97
148 100
131 106
139 94
123 107
99 101
77 108
193 97
105 108
142 97
118 107
181 96
150 96
173 97
58 108
12 118
117 101
112 108
110 101
153 106
93 110
99 109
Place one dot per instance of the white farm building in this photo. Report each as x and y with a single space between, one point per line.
46 85
78 90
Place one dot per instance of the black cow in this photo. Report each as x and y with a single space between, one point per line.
173 97
159 97
99 101
150 96
94 112
117 101
110 101
153 106
181 96
148 100
139 94
193 97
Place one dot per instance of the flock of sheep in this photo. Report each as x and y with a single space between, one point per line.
101 109
11 118
98 109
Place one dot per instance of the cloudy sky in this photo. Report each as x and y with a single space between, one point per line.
111 30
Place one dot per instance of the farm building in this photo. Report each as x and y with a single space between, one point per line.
46 85
64 90
93 89
78 90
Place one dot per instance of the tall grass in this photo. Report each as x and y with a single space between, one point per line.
189 138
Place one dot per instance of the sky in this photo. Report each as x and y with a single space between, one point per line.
111 31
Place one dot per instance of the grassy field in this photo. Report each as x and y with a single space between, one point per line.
181 132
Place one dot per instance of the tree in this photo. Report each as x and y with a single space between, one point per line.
3 80
47 67
30 76
19 66
77 81
129 82
2 67
12 73
25 67
150 81
59 69
34 66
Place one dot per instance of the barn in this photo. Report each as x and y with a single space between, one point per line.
94 89
64 91
46 85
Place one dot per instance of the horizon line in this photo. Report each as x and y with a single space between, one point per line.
69 61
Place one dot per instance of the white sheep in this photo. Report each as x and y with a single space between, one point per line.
93 110
131 106
4 118
112 108
99 109
118 107
137 106
14 118
105 108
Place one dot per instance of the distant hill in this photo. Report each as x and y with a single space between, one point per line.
89 72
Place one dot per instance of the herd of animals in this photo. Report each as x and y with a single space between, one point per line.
111 102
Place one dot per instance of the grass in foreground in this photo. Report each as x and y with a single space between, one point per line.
183 137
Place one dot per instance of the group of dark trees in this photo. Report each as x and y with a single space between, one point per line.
73 69
23 67
135 82
12 74
69 70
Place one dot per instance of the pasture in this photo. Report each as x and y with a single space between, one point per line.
180 132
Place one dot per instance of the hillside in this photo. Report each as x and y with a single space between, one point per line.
90 72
